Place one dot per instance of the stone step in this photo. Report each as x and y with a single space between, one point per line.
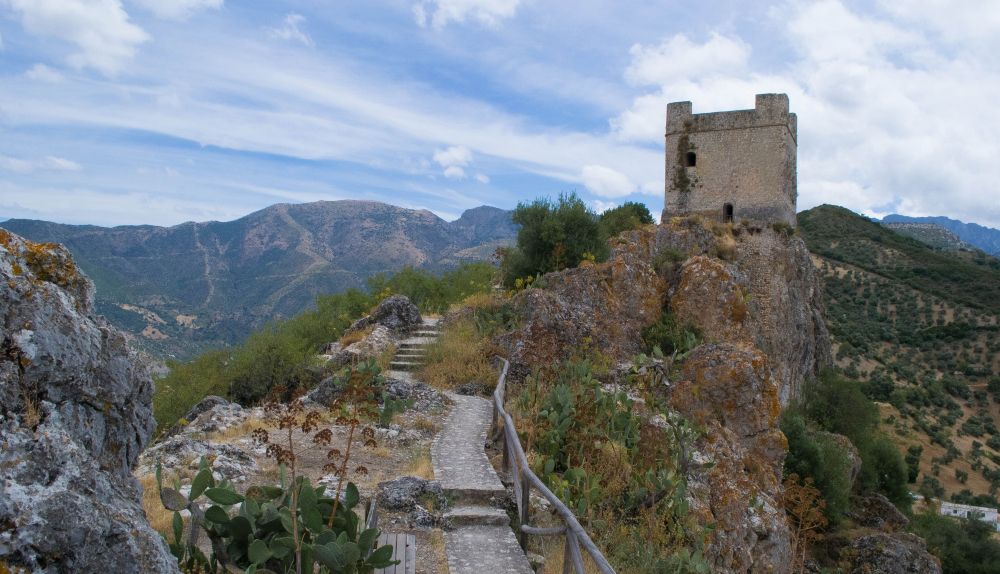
478 549
477 516
404 366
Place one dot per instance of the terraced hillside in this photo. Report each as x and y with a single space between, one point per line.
922 328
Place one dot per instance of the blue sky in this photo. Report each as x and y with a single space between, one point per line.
163 111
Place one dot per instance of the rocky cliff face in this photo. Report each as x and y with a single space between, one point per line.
75 412
749 285
753 295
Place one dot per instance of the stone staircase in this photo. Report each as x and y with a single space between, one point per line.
481 539
412 351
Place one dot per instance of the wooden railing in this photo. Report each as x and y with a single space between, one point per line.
516 464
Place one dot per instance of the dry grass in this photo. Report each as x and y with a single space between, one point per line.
553 549
725 247
426 424
385 358
234 432
436 539
458 357
381 451
355 336
479 301
159 517
420 464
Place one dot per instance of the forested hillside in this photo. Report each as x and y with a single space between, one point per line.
920 327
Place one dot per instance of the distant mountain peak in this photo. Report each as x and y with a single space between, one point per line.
985 238
234 275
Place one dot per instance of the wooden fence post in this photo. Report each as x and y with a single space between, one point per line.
522 536
567 554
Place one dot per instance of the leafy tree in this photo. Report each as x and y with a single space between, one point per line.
553 236
817 457
629 215
913 462
837 404
965 546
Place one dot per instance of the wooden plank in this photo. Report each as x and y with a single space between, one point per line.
411 554
400 552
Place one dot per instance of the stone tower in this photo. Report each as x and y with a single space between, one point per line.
732 166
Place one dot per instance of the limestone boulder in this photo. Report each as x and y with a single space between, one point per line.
75 412
378 341
397 313
878 512
406 492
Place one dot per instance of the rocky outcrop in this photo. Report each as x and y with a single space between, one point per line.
728 391
371 346
75 412
602 307
743 284
878 512
396 313
753 296
885 553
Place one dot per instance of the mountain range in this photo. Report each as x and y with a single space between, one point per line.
185 288
985 238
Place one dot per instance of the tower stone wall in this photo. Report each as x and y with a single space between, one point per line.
732 166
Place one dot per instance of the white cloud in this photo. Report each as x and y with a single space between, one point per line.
454 159
454 172
600 206
482 178
178 9
43 73
100 29
48 163
438 13
678 58
290 30
453 156
606 182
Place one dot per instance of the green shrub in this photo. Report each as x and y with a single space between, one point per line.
836 404
964 546
670 336
553 236
629 215
913 463
817 456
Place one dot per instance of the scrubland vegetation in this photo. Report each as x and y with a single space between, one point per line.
283 354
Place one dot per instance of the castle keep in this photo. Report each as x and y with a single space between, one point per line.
732 166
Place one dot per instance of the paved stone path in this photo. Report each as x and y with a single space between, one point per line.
482 540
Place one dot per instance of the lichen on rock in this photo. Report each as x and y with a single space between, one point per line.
75 412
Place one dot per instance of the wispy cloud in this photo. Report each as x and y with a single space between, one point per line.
178 9
290 30
43 73
47 163
439 13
